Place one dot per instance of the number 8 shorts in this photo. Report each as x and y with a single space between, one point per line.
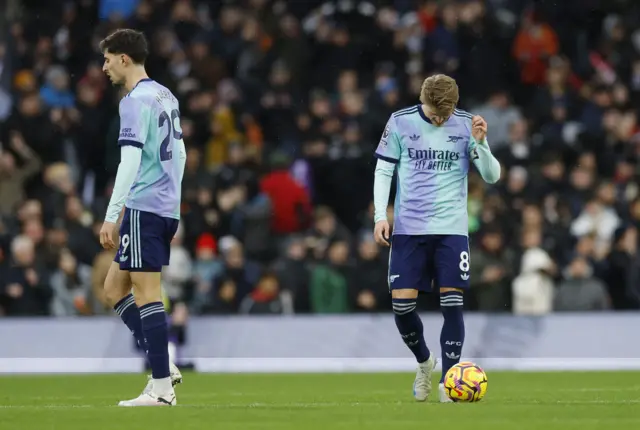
422 262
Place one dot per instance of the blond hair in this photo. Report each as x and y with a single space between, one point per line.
440 93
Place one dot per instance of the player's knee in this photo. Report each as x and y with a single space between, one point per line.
404 293
403 306
114 289
444 290
451 301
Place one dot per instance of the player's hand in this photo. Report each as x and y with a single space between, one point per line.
381 233
479 129
107 232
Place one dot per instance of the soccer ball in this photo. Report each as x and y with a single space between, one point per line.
465 382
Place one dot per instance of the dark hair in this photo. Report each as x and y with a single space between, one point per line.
126 41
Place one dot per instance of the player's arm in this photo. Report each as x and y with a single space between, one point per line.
480 153
134 120
388 155
130 158
382 188
182 157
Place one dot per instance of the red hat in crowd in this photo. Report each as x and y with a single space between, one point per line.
207 241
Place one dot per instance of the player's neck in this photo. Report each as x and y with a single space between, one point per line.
425 114
138 74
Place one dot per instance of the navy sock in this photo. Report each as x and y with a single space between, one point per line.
130 315
156 333
452 335
410 327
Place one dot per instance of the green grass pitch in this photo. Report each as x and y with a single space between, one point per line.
540 401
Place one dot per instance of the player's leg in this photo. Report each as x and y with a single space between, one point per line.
148 291
174 371
149 252
117 285
118 288
452 269
406 279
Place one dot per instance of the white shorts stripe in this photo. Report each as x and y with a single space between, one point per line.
138 244
133 240
389 266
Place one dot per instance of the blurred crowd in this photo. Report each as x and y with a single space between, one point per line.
283 104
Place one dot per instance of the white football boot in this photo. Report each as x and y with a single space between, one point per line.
422 383
151 399
174 374
443 394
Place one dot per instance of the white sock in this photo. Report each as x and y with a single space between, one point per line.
162 386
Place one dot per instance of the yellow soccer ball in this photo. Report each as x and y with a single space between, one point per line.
465 382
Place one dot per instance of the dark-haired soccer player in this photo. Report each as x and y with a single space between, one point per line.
147 185
432 146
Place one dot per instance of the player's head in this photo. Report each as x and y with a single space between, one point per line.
439 94
124 51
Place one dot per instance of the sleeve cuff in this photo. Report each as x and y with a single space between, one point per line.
125 142
387 159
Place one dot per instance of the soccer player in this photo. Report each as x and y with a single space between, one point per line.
148 186
432 145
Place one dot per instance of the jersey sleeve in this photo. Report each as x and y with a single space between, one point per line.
134 122
473 149
389 147
481 157
471 145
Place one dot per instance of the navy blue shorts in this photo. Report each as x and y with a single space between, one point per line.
427 261
145 241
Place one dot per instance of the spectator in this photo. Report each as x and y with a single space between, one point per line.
493 267
623 271
370 288
13 178
597 218
206 266
292 272
535 43
533 288
291 204
331 280
326 229
265 298
55 92
25 292
580 291
237 278
502 116
176 276
71 285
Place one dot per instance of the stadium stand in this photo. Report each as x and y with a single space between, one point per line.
283 104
